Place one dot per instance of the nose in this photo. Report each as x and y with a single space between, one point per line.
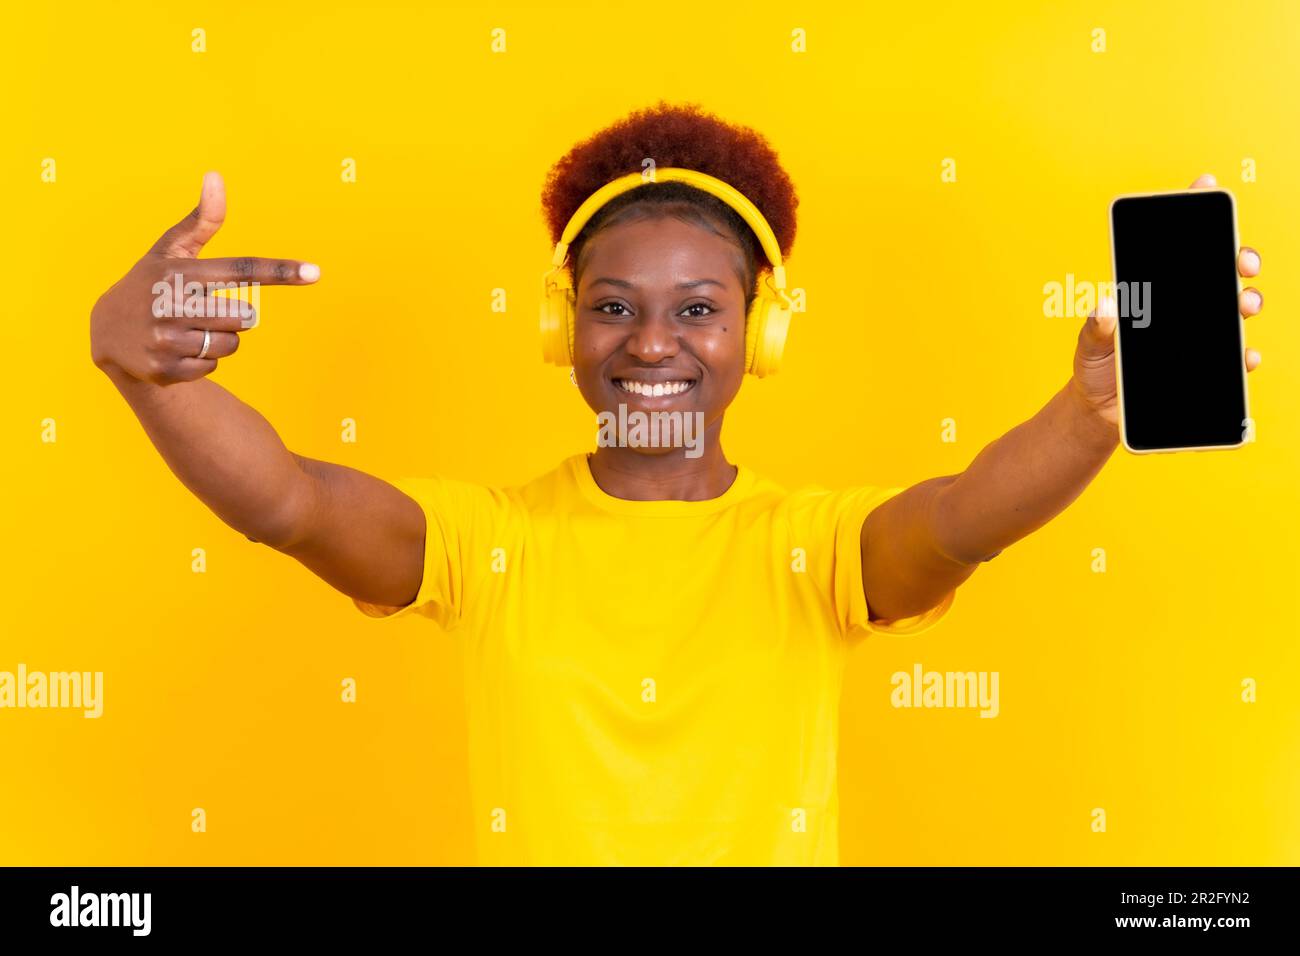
653 338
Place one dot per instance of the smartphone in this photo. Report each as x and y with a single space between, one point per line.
1180 342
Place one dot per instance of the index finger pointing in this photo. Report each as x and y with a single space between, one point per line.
252 269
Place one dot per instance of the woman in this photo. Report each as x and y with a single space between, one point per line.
653 636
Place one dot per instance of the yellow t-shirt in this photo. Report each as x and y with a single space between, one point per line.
649 682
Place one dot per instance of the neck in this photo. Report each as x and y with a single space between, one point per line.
671 476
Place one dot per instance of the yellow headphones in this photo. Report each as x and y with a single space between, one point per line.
769 314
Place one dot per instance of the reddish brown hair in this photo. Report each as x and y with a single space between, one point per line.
674 135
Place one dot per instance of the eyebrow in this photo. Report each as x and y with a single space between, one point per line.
624 284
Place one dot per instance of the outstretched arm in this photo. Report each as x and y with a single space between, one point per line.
357 532
922 543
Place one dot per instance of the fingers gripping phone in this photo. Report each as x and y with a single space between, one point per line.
1179 341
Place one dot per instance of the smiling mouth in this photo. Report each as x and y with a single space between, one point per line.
654 389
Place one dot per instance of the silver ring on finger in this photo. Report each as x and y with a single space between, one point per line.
207 341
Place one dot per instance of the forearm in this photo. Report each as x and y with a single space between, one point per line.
1022 480
926 541
224 452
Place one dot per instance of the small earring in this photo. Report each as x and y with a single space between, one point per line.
571 376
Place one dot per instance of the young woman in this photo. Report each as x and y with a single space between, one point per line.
653 636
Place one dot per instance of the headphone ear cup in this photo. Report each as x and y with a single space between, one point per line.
556 324
770 338
753 328
570 325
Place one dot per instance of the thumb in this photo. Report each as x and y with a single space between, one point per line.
1099 331
187 238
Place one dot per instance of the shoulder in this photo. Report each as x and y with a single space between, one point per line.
816 504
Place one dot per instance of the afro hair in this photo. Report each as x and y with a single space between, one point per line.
682 136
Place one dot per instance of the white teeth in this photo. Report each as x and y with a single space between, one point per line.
660 389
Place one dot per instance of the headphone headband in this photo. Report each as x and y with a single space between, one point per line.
703 181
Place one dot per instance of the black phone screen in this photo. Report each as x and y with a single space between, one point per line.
1181 356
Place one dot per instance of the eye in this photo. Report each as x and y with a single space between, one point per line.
700 305
620 305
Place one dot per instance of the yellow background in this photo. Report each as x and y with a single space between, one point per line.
1118 690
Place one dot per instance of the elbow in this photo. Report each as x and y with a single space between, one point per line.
289 524
940 521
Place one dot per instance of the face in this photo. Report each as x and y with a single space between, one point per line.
660 306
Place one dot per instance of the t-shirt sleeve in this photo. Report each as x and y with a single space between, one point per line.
457 515
834 521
